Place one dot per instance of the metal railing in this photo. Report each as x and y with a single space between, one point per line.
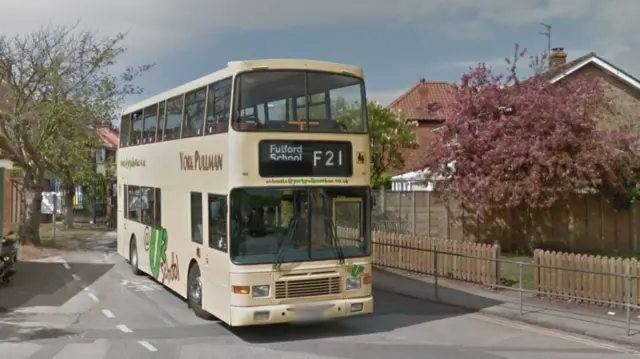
627 297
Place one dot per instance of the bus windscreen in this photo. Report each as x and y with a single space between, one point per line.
299 101
270 225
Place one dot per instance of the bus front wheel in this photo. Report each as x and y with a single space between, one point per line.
194 293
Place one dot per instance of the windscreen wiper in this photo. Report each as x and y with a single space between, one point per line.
334 239
284 246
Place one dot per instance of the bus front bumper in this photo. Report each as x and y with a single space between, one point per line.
302 312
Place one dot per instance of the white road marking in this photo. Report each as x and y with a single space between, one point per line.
86 289
148 346
66 265
555 334
124 328
107 313
93 297
75 276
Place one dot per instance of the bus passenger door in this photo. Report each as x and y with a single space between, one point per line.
215 272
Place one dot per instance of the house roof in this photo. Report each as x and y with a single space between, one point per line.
426 101
109 137
556 74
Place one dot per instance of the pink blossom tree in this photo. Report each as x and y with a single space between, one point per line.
519 142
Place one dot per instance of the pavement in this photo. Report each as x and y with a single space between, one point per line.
87 304
594 321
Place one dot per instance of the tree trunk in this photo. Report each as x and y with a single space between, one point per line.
29 230
68 190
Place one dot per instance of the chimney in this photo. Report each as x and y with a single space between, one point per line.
557 58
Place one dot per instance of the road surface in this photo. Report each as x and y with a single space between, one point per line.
89 305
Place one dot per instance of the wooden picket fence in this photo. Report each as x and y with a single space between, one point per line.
467 261
603 279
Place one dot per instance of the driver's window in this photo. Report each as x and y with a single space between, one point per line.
348 215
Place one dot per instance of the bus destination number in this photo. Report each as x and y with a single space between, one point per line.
305 159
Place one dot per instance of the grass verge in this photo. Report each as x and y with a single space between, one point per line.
510 271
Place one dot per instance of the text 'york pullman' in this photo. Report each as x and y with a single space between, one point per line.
200 162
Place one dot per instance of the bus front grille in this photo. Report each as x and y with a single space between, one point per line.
307 287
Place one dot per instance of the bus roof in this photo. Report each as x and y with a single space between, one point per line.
245 65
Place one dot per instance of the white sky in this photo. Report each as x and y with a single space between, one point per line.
159 27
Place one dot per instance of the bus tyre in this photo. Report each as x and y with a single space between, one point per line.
133 257
194 293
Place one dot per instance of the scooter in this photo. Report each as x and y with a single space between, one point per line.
8 259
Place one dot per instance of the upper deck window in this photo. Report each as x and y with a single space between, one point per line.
296 100
125 129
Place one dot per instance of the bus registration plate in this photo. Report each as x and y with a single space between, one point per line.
309 313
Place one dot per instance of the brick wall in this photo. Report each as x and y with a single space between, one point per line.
626 100
413 159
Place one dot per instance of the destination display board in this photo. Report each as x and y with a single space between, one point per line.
305 158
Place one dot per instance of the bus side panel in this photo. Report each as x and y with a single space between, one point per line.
216 292
176 249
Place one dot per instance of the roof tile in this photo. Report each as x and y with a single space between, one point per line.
555 71
109 137
426 101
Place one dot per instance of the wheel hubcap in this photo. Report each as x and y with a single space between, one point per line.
134 258
196 290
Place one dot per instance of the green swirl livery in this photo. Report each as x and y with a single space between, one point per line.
157 250
357 271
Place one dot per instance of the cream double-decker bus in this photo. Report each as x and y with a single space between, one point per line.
247 192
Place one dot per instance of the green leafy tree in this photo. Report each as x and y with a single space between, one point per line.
70 151
391 135
54 83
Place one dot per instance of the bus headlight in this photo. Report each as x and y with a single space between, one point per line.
353 283
260 291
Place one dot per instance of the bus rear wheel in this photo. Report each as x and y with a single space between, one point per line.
194 293
133 257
